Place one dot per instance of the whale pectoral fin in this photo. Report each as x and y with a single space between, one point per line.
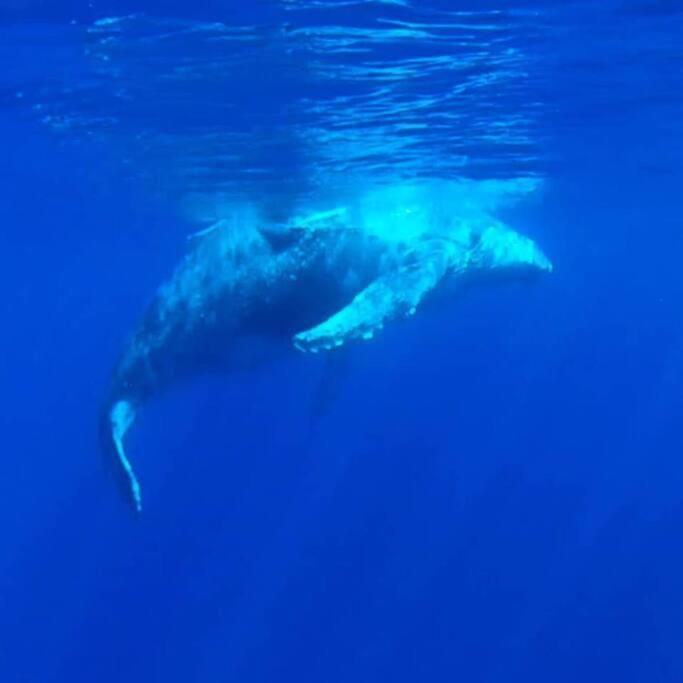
135 492
394 295
119 420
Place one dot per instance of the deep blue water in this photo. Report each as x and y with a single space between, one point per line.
489 492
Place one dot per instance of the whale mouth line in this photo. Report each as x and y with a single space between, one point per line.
121 417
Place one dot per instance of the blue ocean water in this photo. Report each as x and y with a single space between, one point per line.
488 492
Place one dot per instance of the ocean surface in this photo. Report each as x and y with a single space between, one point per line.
489 492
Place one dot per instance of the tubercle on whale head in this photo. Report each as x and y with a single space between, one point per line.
115 421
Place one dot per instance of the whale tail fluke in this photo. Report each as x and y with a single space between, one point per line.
115 425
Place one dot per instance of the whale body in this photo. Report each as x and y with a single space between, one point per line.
316 282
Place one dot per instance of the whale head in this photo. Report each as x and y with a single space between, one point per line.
499 248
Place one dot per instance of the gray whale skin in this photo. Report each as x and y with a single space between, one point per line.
316 283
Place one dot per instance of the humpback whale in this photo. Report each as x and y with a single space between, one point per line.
315 282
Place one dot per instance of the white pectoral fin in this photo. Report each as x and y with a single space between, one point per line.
121 417
394 295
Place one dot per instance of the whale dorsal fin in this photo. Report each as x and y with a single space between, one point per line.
280 239
395 294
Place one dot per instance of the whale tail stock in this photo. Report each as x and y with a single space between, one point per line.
114 424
